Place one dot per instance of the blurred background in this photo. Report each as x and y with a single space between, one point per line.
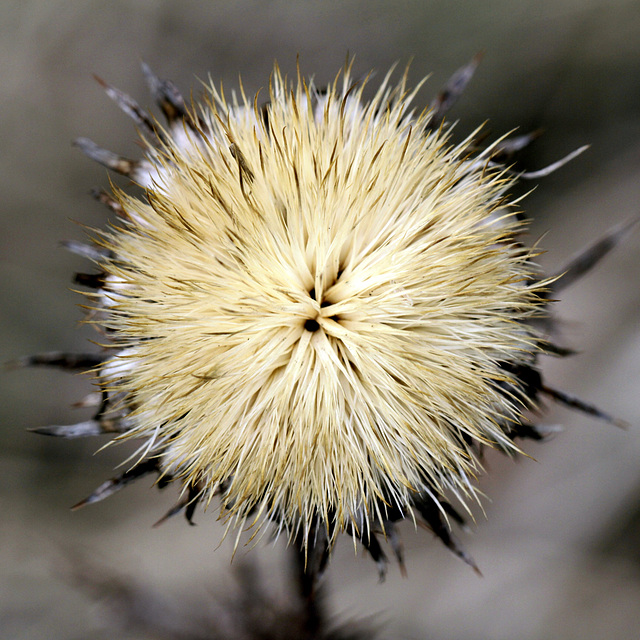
559 550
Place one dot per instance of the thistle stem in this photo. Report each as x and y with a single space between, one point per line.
307 580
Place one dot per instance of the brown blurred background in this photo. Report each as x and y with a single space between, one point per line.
560 550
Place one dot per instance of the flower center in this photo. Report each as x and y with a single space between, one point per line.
311 325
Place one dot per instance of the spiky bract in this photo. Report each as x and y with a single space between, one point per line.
316 306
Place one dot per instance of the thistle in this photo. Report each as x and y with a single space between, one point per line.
317 309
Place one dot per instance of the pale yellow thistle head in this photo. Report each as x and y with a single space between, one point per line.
318 310
314 307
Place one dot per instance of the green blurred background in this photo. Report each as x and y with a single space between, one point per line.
560 550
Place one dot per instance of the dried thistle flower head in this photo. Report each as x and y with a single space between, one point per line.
317 310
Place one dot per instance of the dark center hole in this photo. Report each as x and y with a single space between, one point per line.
311 325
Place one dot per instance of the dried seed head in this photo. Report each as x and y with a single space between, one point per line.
319 310
314 307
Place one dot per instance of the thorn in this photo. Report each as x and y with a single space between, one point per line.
575 403
109 201
453 90
396 545
93 399
586 259
509 146
453 514
551 349
128 105
175 510
167 96
90 280
190 500
59 359
535 432
81 429
106 158
85 250
110 487
372 545
549 169
548 430
430 510
191 507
